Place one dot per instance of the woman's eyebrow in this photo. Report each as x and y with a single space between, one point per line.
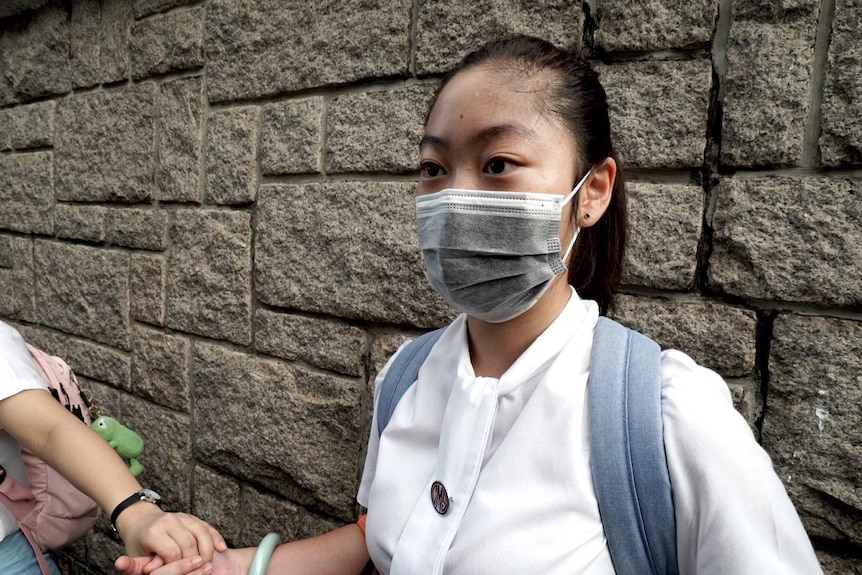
484 135
433 141
504 130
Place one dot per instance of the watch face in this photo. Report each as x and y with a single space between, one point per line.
150 494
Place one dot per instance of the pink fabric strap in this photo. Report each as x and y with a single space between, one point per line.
20 501
14 495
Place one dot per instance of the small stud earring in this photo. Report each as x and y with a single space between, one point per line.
587 216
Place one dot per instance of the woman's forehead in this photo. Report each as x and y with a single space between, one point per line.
480 98
494 85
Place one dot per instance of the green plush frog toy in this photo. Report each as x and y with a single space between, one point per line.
125 442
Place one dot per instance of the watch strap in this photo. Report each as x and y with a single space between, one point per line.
128 502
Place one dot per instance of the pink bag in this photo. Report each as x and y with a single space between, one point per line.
52 513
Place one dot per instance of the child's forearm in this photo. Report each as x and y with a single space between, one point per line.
43 426
338 552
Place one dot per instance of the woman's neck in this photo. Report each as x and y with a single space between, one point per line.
494 347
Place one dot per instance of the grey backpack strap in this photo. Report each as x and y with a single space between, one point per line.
402 374
627 451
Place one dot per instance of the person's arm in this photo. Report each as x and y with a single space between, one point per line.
338 552
732 511
42 425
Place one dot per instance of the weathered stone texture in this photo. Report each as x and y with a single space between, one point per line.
788 238
290 137
34 55
167 456
654 25
837 565
771 10
104 145
145 229
265 513
346 249
216 500
27 193
231 156
83 291
356 142
659 111
17 278
841 129
181 126
716 336
5 131
99 362
108 399
168 43
292 431
76 551
116 33
15 7
147 280
6 94
209 275
767 91
744 394
7 259
101 551
324 343
80 222
812 425
385 345
160 368
147 7
49 341
32 126
664 230
247 55
448 29
85 46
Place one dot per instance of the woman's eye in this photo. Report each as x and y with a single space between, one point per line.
497 165
430 169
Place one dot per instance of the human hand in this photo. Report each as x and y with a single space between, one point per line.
229 562
338 552
147 530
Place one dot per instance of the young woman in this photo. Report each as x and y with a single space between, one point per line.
31 417
521 219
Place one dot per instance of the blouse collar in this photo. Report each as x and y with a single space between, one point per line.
539 355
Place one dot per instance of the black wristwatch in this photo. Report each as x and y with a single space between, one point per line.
143 495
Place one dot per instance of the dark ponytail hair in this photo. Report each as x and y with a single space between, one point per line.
576 97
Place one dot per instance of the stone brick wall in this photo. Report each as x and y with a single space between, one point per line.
206 207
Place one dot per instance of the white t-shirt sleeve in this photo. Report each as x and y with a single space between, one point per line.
17 369
374 437
733 514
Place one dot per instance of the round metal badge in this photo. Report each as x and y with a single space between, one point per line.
439 498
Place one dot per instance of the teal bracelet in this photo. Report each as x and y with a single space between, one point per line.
260 562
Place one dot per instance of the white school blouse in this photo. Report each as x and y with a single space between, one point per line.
514 457
17 373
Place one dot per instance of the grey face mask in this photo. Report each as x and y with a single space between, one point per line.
492 255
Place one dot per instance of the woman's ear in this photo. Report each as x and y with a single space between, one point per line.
595 196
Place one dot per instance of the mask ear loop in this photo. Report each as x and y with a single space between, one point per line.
577 188
571 245
566 200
